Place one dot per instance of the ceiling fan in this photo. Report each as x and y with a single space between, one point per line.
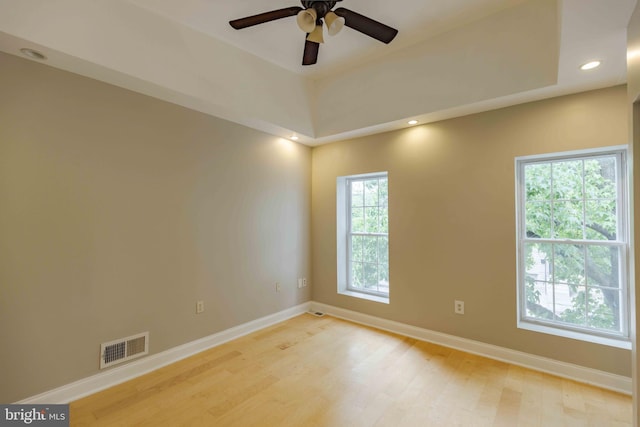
310 20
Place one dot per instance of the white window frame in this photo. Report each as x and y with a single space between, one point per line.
621 340
343 226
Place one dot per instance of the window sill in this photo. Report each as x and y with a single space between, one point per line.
361 295
611 342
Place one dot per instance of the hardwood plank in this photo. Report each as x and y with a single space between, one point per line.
311 371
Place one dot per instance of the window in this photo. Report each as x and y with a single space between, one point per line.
572 245
363 236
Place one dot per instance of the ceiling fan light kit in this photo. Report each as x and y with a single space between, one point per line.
310 20
316 35
307 20
334 23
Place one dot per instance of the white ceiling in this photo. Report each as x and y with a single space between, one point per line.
451 57
282 42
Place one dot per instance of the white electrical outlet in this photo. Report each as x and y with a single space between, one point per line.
278 287
300 283
304 281
459 307
199 307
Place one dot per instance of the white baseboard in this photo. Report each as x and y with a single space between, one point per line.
578 373
106 379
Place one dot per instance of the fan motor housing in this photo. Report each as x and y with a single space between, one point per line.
321 7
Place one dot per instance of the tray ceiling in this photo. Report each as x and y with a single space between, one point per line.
451 57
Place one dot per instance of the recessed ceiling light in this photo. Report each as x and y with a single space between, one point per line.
33 54
413 122
294 138
590 65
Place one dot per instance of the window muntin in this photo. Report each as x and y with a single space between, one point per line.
572 242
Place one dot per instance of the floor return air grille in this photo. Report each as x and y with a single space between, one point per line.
123 349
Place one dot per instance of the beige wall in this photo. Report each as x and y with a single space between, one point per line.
452 217
119 211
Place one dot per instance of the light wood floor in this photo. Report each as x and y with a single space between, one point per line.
311 371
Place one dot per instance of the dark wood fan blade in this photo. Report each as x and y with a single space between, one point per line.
367 26
261 18
310 55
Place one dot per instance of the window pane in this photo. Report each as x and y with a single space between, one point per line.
604 309
383 278
370 249
570 304
602 266
600 178
357 193
539 262
568 264
539 300
601 220
356 248
371 192
383 227
371 276
383 187
538 181
538 220
567 180
371 220
567 220
357 274
383 250
357 220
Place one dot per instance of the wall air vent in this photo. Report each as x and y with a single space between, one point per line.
124 349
